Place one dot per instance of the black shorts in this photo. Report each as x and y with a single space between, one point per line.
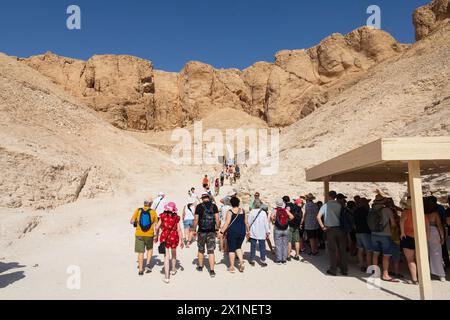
312 234
302 231
408 243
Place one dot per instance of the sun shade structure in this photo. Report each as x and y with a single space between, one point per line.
394 160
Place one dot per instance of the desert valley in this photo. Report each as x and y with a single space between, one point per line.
81 140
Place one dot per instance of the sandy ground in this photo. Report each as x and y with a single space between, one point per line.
96 236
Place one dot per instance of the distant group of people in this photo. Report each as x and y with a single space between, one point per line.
377 231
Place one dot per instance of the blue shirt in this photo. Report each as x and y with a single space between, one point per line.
332 212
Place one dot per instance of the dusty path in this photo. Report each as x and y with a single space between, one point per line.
96 236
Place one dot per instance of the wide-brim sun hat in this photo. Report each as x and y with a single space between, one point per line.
279 203
310 196
379 199
171 207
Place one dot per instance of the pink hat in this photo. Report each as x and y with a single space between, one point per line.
171 207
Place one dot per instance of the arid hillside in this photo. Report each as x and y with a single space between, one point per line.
55 150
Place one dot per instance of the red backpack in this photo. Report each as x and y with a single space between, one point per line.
281 219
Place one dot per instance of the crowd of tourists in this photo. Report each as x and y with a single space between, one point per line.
378 232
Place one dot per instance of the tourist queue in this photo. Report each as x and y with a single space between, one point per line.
378 232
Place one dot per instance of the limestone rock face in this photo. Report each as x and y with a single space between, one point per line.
119 87
303 80
168 108
430 17
128 93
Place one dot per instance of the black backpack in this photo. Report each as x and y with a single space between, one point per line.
375 220
207 220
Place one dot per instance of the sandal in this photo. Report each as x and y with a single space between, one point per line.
241 267
390 280
231 270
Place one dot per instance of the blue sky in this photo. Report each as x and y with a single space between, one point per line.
224 33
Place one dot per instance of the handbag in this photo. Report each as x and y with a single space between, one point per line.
162 245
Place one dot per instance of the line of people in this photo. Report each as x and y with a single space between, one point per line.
377 233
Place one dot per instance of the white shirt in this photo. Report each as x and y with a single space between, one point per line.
223 213
260 228
158 205
188 214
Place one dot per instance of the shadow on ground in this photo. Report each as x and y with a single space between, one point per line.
7 279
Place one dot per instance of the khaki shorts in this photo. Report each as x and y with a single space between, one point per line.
143 243
294 235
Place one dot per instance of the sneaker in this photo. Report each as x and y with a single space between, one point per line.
148 269
173 272
141 273
442 279
212 273
200 268
283 262
252 263
167 281
296 258
263 264
289 259
331 273
278 262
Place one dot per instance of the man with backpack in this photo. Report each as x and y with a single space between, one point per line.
144 220
336 236
208 222
280 218
380 219
294 238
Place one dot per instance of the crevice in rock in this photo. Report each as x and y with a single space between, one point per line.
82 184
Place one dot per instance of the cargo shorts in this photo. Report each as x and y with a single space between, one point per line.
142 243
208 240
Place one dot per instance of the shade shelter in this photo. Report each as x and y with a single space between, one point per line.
394 160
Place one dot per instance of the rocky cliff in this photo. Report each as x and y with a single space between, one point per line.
431 17
128 93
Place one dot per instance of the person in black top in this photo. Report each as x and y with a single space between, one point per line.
208 222
362 233
295 218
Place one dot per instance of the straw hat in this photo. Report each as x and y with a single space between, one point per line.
379 199
310 196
